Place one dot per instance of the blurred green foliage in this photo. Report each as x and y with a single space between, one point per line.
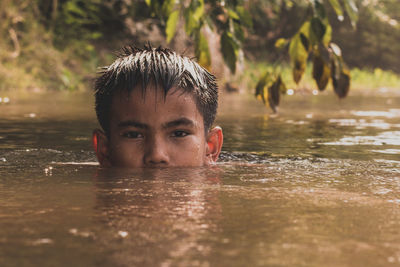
58 44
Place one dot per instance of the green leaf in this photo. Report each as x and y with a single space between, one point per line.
298 57
233 15
336 67
245 16
318 28
74 9
172 22
282 86
321 72
280 43
268 89
340 76
342 85
190 22
199 11
338 9
307 36
95 35
328 35
239 32
324 52
319 9
352 11
230 50
274 92
261 91
304 41
193 15
167 8
202 51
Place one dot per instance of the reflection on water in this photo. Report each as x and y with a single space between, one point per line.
384 138
314 186
391 113
168 211
362 124
388 151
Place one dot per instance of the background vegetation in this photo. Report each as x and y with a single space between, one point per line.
58 44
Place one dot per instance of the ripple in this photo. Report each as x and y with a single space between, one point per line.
42 241
362 123
297 122
388 151
85 163
385 138
43 157
392 113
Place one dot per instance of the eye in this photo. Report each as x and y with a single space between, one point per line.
179 133
132 135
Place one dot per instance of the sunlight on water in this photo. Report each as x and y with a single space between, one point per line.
396 163
297 122
362 124
384 138
388 151
391 113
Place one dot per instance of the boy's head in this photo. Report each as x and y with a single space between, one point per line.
156 108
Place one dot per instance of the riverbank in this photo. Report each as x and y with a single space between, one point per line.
54 70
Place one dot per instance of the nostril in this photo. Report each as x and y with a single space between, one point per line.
157 163
156 155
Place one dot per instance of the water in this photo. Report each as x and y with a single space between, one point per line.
318 185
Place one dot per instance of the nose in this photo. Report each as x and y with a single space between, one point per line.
155 153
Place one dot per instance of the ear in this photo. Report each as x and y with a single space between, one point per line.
100 145
214 144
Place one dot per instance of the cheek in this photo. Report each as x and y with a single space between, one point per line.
192 152
125 154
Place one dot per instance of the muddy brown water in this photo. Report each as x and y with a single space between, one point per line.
317 185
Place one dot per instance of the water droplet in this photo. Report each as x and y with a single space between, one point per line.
290 92
315 92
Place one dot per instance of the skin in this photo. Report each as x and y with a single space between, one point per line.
155 131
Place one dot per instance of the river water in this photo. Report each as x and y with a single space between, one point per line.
316 185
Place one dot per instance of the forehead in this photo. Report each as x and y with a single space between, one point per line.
152 105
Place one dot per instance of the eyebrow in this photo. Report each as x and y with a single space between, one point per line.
170 124
179 122
135 124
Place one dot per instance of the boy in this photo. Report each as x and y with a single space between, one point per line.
156 109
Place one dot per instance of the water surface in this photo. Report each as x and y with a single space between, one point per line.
316 185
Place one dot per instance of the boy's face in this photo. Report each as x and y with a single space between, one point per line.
153 131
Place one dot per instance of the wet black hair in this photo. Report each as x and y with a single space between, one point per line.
136 68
